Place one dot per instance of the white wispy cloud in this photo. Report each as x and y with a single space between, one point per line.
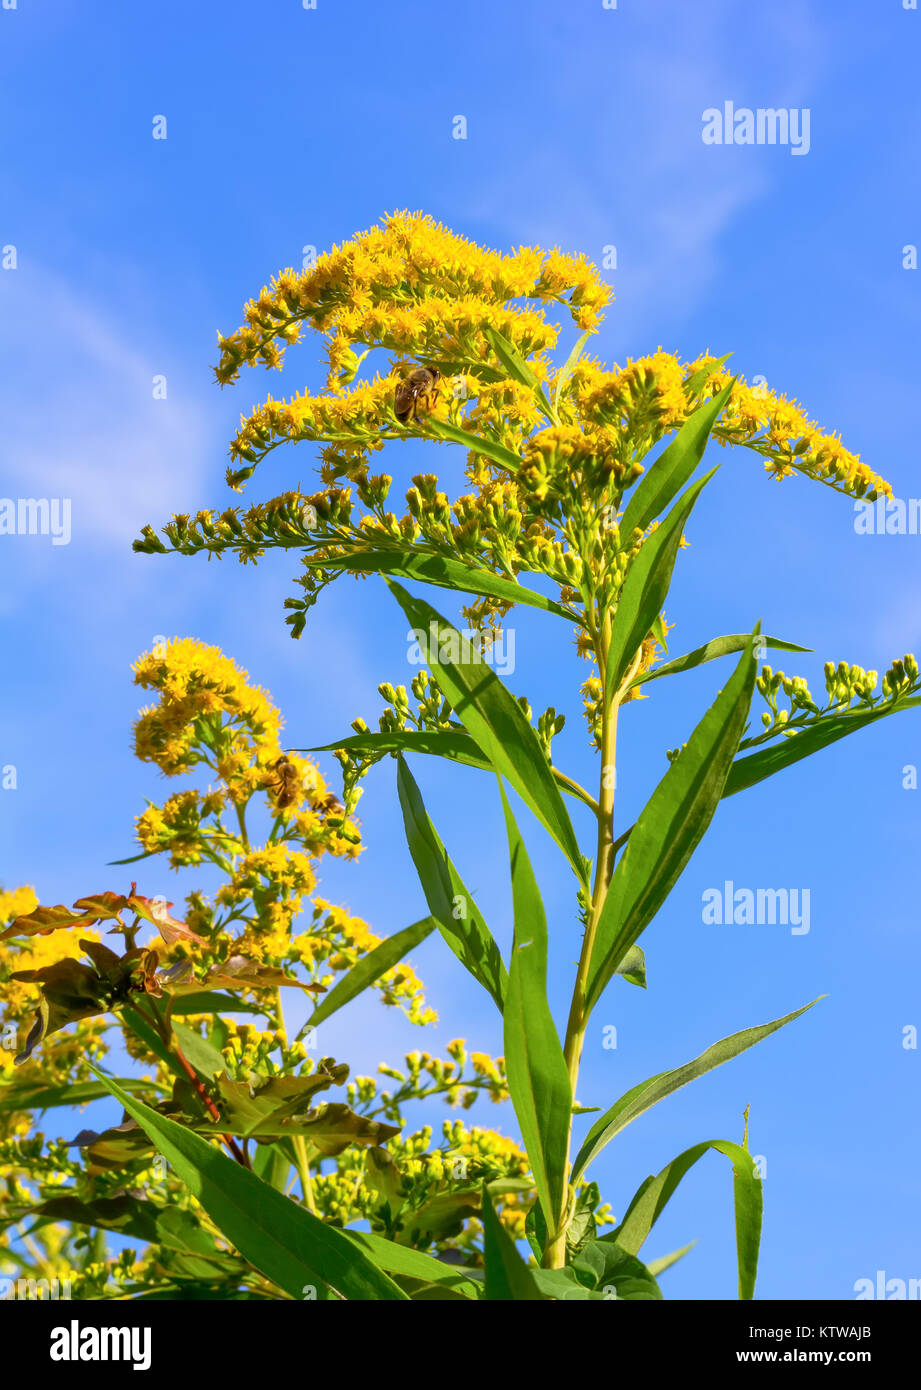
81 421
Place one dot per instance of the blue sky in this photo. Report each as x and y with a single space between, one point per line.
289 127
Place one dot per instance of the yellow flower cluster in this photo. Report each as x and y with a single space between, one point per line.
647 396
18 902
427 295
176 825
204 697
35 952
414 285
65 1056
651 396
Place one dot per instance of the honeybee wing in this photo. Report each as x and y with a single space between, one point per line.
403 399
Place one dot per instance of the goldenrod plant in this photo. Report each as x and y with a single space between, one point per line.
581 482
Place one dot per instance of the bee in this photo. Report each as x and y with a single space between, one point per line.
146 975
286 785
421 385
332 806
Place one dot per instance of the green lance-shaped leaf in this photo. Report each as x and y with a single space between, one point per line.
646 586
507 1276
671 825
39 1096
272 1165
210 1001
569 366
287 1243
479 444
518 369
664 1262
442 571
710 651
203 1055
641 1098
653 1195
537 1073
696 380
450 902
414 1264
665 478
456 746
748 771
369 969
123 1214
494 719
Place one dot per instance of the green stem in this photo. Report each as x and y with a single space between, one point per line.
301 1160
241 817
554 1256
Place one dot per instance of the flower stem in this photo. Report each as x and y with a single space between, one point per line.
554 1256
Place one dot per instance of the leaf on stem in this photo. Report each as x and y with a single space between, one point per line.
641 1098
451 904
665 478
370 968
494 719
670 826
277 1236
646 587
537 1073
651 1198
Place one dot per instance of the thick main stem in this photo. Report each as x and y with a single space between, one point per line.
555 1250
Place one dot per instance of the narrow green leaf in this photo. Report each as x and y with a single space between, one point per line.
203 1055
537 1073
653 1195
671 825
370 968
413 1264
696 380
135 858
272 1165
38 1096
646 586
140 1024
516 366
285 1241
214 1002
569 366
641 1098
665 478
451 434
507 1276
444 572
748 771
450 902
719 646
457 747
123 1214
494 719
664 1262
